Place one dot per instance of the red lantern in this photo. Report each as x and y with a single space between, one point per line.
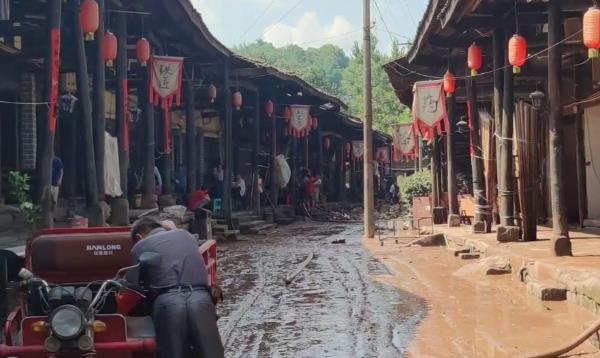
474 59
212 93
327 143
591 31
89 15
348 148
517 52
269 108
109 45
287 114
449 83
143 51
237 100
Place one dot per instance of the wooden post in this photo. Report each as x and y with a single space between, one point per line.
321 162
369 201
560 241
83 84
506 173
435 182
228 142
498 62
274 185
201 156
342 167
44 166
481 204
190 135
122 101
294 181
150 199
99 121
256 153
580 149
452 190
166 163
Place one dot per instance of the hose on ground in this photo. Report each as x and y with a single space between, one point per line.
574 344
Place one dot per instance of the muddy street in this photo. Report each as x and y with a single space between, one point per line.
333 308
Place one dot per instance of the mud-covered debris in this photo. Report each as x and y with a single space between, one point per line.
339 241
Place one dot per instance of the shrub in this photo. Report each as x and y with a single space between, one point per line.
20 194
416 185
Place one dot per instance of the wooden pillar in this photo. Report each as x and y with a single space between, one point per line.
498 61
580 149
435 169
560 241
201 170
83 84
506 174
150 199
44 166
190 135
294 181
479 224
99 121
452 190
256 153
321 162
228 141
122 115
274 185
166 162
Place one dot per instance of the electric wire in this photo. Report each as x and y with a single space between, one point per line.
258 18
283 16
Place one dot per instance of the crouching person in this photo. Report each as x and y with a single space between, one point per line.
183 313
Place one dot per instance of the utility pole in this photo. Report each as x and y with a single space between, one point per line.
368 198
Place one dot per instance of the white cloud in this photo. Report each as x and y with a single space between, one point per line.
310 32
209 16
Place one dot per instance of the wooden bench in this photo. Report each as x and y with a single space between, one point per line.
467 209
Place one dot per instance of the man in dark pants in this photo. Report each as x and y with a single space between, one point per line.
184 315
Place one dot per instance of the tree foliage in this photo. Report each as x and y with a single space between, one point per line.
415 186
331 70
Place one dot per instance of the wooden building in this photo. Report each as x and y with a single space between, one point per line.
533 125
62 93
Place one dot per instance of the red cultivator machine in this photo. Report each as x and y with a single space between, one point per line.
73 303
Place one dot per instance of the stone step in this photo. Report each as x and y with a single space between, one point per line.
469 256
546 291
459 250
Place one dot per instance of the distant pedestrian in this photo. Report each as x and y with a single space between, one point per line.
239 191
218 181
57 177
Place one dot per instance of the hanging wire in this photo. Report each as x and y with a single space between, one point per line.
516 18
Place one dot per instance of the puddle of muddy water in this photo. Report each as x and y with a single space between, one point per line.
333 308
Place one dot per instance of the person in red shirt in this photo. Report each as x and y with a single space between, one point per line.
310 186
197 202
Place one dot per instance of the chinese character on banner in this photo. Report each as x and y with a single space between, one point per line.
429 107
405 142
357 150
301 122
165 77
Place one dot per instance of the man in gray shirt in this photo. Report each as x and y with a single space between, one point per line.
184 315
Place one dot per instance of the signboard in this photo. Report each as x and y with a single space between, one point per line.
429 107
405 142
301 121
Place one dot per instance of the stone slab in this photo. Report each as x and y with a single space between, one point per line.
546 291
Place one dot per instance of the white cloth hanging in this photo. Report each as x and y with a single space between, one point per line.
112 173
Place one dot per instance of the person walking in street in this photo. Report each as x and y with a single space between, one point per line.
183 313
239 191
57 177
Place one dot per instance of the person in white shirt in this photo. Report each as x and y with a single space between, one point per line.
239 190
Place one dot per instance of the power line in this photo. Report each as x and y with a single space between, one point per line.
327 38
283 16
258 18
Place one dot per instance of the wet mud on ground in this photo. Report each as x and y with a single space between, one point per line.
333 308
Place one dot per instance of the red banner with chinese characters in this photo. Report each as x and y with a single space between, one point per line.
301 122
382 155
165 77
405 142
429 107
55 35
358 150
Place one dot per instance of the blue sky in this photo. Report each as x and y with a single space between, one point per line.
308 23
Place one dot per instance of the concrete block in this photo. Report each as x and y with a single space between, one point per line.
508 233
469 256
478 227
431 240
453 220
546 292
459 250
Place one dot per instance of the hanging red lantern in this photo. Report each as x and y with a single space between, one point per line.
517 52
327 143
474 59
449 83
143 51
237 100
212 93
591 31
287 114
269 108
89 15
109 45
348 148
